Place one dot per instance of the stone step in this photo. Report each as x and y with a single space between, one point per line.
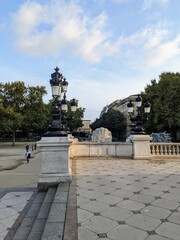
26 224
54 227
40 221
32 225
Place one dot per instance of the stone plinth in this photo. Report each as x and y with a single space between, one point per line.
141 146
55 161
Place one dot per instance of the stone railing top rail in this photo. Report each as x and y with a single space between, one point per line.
165 144
101 143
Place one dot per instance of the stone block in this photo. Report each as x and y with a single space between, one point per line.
55 161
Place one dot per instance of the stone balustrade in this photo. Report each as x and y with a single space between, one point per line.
140 148
165 150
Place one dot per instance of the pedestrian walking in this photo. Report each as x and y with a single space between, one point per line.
28 156
35 146
27 147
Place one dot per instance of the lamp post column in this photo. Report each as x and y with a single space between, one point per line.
54 145
141 141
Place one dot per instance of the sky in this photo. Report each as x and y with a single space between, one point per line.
106 49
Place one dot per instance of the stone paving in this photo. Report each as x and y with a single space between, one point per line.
128 200
11 206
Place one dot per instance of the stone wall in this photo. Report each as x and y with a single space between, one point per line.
94 149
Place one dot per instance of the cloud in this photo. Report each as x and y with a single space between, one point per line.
56 27
152 46
164 52
147 4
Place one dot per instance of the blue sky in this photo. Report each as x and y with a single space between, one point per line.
106 49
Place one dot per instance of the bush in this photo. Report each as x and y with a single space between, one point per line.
161 137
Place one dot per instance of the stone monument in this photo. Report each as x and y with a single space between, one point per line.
102 135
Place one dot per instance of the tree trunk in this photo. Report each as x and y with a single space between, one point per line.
13 137
28 135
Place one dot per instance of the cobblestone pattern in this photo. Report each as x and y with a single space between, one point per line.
124 199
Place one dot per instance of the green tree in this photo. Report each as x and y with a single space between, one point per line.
12 97
22 108
114 121
164 97
74 119
36 114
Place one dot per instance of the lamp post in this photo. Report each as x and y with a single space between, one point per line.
136 116
54 145
59 106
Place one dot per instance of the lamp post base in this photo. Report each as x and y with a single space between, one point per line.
55 161
141 146
52 180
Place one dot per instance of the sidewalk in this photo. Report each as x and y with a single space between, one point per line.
18 185
26 175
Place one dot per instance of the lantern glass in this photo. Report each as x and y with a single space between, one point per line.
64 87
73 105
130 107
64 107
138 101
56 90
147 107
73 108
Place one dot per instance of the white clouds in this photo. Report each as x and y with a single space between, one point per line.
159 47
165 52
28 17
57 26
154 37
152 46
147 4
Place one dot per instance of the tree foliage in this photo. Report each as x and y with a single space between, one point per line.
114 121
22 108
12 96
36 114
74 119
164 97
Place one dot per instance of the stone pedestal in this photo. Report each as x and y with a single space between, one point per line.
141 146
55 161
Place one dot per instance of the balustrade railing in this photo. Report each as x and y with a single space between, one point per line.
165 150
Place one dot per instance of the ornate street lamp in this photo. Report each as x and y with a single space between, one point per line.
136 116
73 105
59 106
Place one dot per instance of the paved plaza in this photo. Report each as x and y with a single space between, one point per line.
115 199
126 199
